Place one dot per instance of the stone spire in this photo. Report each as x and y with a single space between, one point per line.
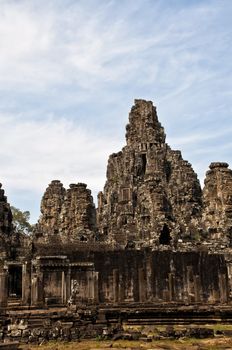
5 214
217 202
67 214
150 192
51 204
78 214
144 128
6 226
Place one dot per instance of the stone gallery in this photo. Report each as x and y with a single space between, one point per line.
155 237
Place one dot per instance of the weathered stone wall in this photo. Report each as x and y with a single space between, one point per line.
161 276
111 323
185 196
6 227
130 276
5 214
66 215
78 215
51 204
217 203
152 199
150 190
152 196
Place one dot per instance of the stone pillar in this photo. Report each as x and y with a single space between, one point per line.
37 289
171 286
3 288
197 288
96 291
68 284
115 285
179 283
142 285
34 289
223 288
63 288
26 283
129 287
165 294
190 283
229 271
149 281
121 289
186 285
90 285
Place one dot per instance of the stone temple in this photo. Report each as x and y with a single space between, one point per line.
156 238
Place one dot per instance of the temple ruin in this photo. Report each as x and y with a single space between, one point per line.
156 238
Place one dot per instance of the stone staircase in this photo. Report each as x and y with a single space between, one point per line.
14 302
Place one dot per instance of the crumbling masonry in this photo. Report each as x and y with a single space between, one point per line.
155 236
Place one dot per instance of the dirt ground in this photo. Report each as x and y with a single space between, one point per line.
181 344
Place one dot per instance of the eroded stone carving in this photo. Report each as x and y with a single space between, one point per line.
67 214
51 205
150 190
157 239
5 214
217 201
6 227
151 197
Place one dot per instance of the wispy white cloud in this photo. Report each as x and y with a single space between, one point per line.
33 153
36 152
48 44
69 71
195 138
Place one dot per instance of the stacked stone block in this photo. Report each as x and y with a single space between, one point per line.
150 188
6 226
67 214
78 217
217 203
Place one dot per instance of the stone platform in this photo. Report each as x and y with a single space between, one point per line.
89 322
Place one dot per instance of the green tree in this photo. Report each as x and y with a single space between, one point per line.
21 221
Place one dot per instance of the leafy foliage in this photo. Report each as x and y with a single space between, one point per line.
21 221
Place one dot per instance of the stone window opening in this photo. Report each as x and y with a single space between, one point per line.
15 281
83 238
124 220
125 195
144 162
168 170
165 238
134 199
130 245
143 147
141 164
146 219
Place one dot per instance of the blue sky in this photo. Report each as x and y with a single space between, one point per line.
70 70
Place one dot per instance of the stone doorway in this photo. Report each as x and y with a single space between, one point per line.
165 237
15 281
